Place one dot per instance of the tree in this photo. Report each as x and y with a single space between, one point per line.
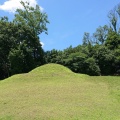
101 34
86 39
21 59
32 18
7 41
53 56
114 17
31 22
20 47
105 59
35 21
91 67
117 60
113 40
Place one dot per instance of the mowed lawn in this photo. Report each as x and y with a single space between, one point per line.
53 92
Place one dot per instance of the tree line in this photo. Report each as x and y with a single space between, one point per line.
21 50
99 53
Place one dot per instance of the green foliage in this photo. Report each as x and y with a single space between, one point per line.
91 67
86 39
80 63
53 56
113 40
7 41
101 34
105 59
117 60
32 18
77 59
34 22
21 59
114 18
20 47
75 62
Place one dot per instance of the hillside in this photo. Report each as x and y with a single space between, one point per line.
54 92
47 71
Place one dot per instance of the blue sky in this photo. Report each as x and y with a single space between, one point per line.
69 19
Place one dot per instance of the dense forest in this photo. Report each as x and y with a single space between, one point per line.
21 50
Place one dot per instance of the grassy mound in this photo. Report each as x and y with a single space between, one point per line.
51 68
54 70
46 72
53 92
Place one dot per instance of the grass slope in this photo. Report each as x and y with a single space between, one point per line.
53 92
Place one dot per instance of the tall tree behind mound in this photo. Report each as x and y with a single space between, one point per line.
20 47
28 51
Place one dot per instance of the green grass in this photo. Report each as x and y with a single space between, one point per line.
53 92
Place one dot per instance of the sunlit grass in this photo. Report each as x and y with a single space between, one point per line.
53 92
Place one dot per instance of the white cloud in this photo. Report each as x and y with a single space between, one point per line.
42 44
12 5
